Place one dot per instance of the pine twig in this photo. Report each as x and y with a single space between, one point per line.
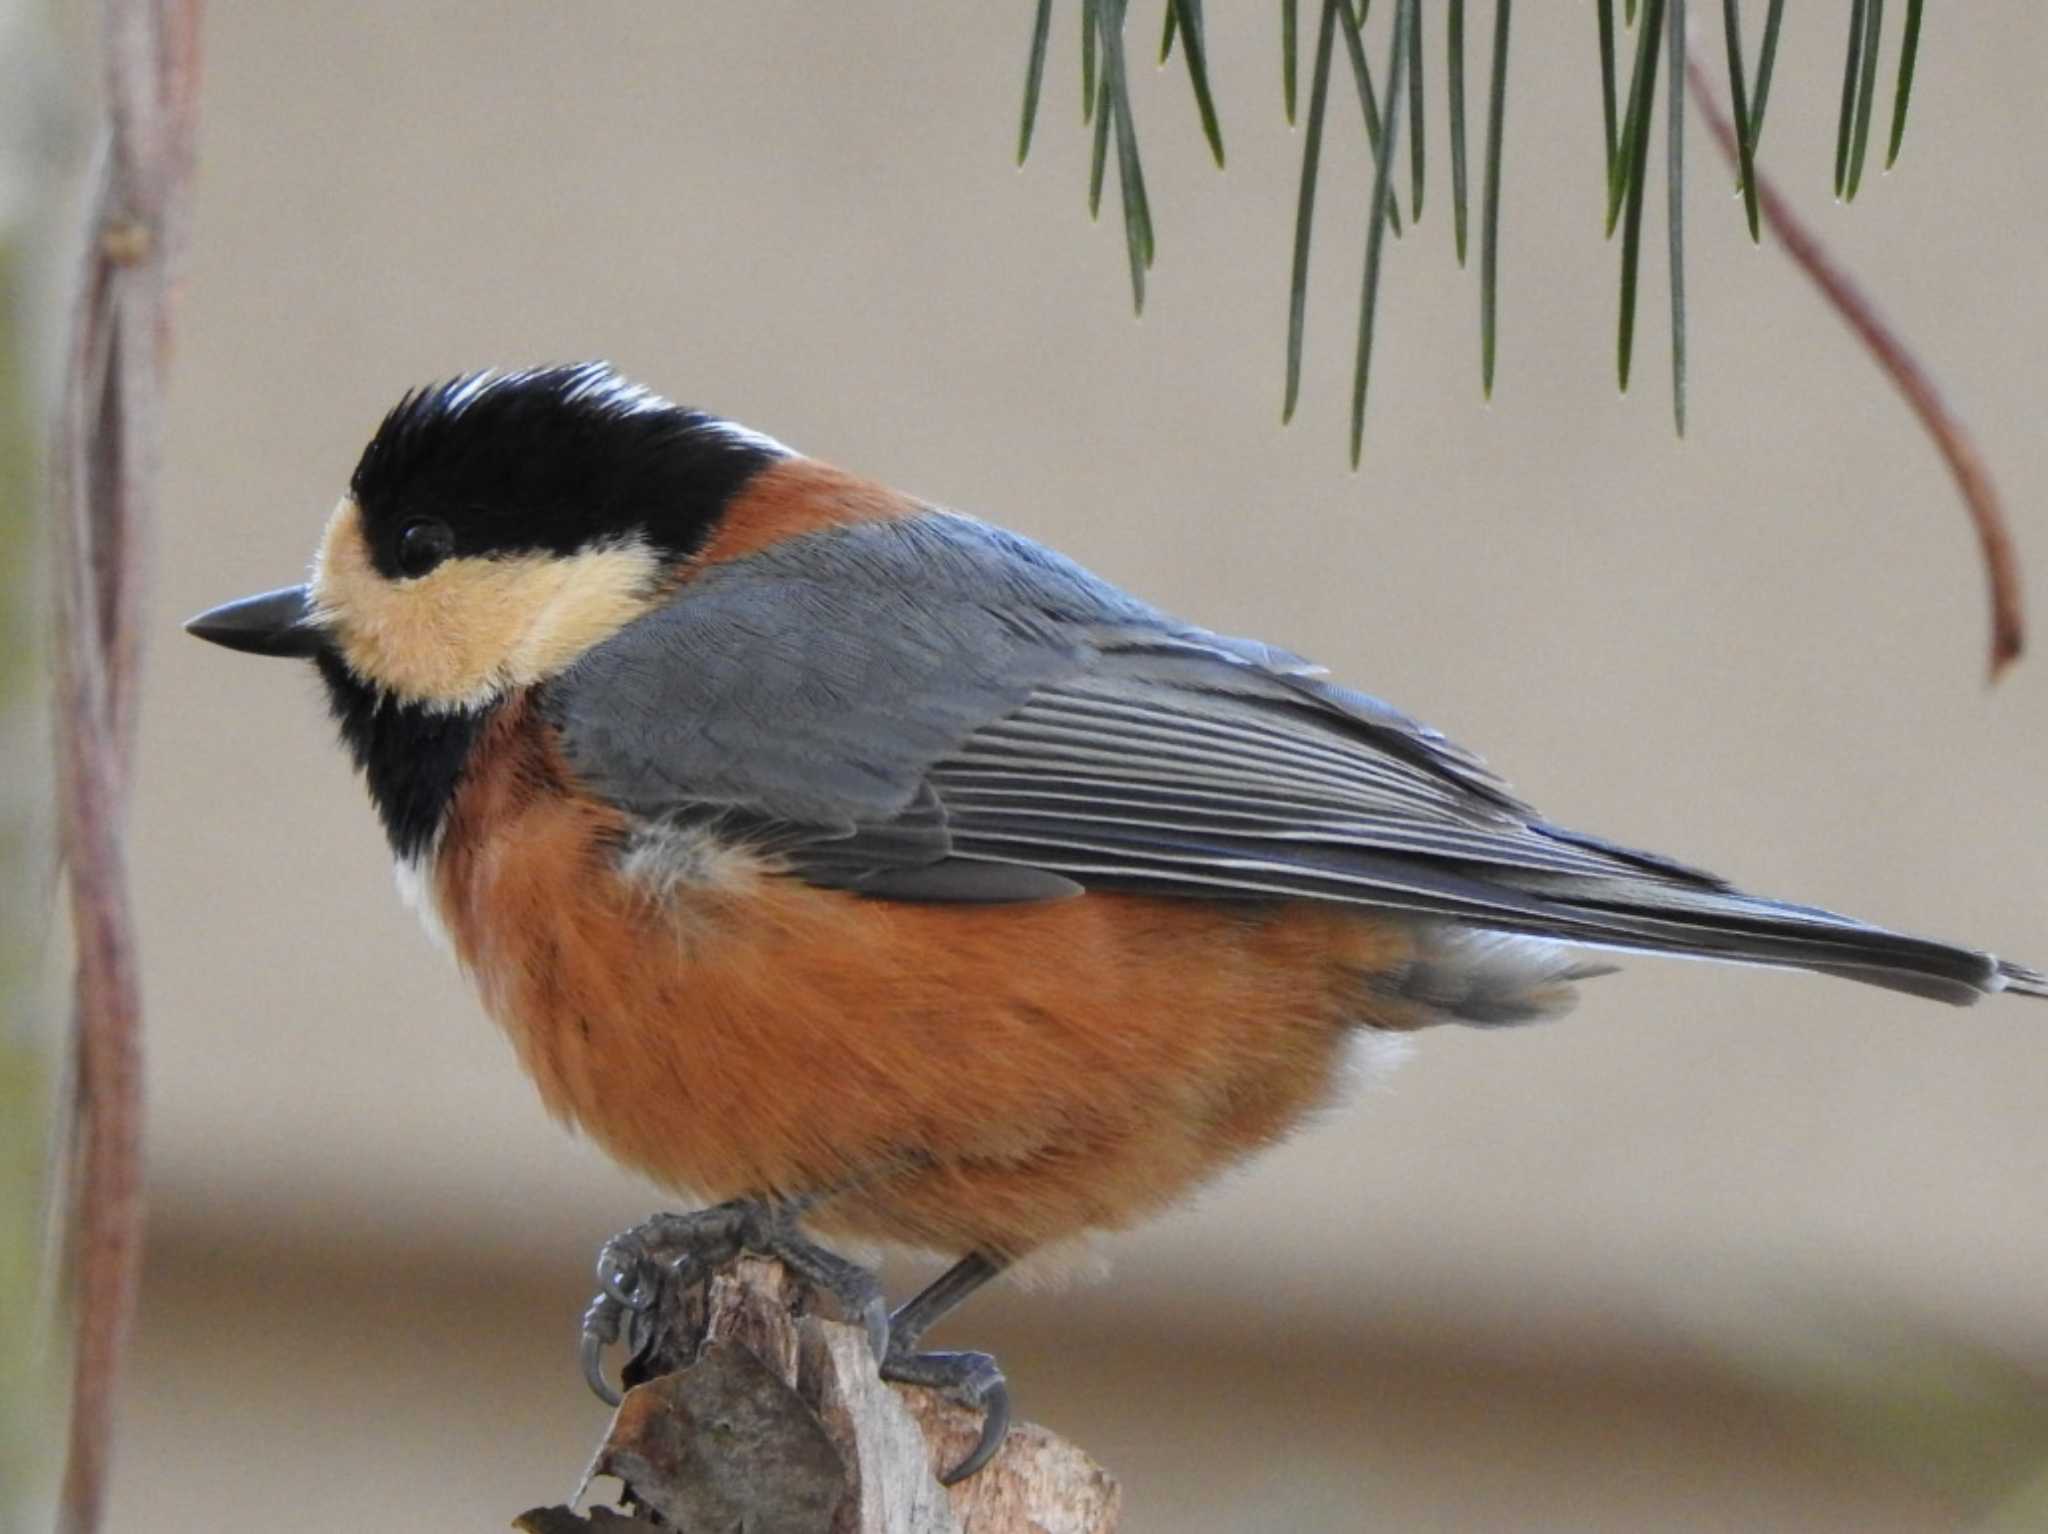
1951 436
103 482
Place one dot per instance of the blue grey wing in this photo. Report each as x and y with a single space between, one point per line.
798 697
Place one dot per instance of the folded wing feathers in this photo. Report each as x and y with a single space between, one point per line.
1195 769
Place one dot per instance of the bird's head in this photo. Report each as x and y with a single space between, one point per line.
496 527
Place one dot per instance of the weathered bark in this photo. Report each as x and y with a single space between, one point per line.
782 1425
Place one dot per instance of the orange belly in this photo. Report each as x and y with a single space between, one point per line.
954 1077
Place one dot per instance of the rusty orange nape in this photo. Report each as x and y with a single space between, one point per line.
796 496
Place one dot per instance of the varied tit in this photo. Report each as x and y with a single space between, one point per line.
863 868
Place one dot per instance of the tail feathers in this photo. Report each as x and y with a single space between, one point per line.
2022 981
1652 915
1495 978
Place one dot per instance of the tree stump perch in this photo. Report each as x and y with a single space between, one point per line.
782 1424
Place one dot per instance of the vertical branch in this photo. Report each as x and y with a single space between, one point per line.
103 471
24 1068
29 112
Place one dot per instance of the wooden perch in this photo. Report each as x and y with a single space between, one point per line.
782 1425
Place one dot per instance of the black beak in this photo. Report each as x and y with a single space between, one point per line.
276 623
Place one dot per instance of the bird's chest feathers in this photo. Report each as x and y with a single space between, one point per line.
581 928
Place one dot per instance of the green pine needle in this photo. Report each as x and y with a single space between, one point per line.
1405 22
1852 72
1304 213
1738 97
1098 152
1635 132
1489 230
1090 26
1172 30
1415 104
1604 15
1130 174
1766 60
1866 96
1909 52
1289 19
1197 51
1034 77
1674 184
1368 100
1454 49
1642 98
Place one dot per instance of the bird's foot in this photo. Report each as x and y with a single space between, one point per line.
973 1380
646 1275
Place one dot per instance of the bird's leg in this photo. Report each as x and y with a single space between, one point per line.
646 1274
972 1379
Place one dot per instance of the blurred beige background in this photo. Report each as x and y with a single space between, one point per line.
1726 1250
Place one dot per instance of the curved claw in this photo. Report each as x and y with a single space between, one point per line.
975 1381
995 1427
600 1330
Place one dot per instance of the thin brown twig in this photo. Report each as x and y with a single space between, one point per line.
1859 311
103 487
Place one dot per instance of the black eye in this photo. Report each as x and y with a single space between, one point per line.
423 544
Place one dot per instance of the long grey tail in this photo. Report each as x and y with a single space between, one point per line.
1658 907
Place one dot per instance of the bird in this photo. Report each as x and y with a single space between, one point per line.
856 868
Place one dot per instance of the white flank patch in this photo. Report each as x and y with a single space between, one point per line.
415 889
666 860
